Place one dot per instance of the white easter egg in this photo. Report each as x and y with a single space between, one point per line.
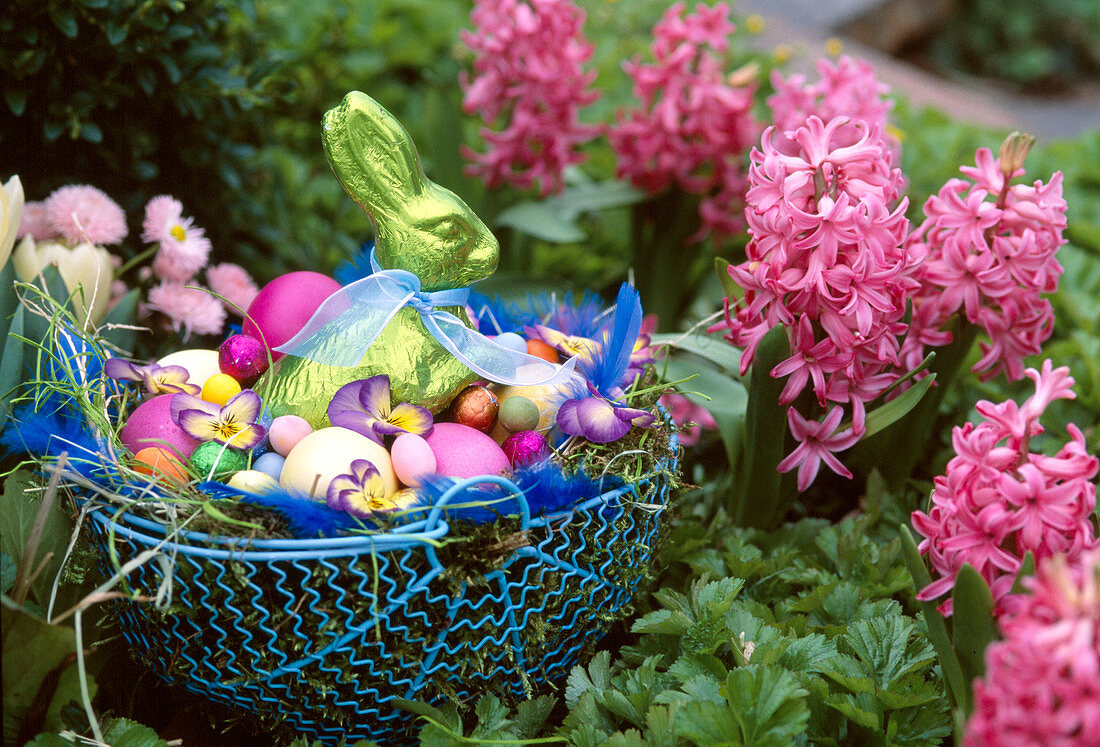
200 364
322 455
253 481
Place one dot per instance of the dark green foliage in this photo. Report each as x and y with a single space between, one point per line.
1038 44
139 98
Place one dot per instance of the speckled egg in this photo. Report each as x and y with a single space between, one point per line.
328 452
200 364
412 458
284 305
461 451
151 425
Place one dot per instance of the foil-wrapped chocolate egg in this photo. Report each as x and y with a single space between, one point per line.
244 358
476 407
525 447
213 460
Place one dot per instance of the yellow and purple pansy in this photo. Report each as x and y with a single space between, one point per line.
364 407
601 419
157 379
233 424
362 493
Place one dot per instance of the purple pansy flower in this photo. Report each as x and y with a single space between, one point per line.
233 424
157 379
363 492
601 419
364 407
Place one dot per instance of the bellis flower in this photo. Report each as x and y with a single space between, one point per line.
989 254
528 74
233 283
690 418
183 250
157 379
190 310
826 259
364 407
998 500
1042 681
693 123
233 424
80 213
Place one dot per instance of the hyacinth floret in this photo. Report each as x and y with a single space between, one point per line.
989 251
998 500
693 123
1042 681
827 259
529 58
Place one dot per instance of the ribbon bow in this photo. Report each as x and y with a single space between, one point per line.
349 321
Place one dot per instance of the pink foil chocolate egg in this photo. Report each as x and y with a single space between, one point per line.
243 357
286 431
284 305
151 425
525 447
461 451
412 458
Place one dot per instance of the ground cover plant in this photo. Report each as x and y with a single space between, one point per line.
805 241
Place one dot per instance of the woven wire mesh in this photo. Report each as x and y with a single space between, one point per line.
325 634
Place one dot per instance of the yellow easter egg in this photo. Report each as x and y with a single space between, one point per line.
220 388
253 481
322 455
200 364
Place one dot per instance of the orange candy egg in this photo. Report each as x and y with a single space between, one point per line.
157 461
540 349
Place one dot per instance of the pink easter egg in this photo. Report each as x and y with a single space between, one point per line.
412 458
284 305
151 425
243 357
461 451
286 431
525 447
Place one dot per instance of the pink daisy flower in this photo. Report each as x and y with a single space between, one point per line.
35 224
190 310
81 213
234 284
184 250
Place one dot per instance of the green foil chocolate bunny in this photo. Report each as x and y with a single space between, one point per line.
419 227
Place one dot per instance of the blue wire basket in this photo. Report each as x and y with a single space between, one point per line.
324 635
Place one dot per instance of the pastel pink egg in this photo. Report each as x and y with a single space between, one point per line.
412 458
284 305
461 451
286 431
151 425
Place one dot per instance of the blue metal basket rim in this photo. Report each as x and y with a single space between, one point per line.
416 534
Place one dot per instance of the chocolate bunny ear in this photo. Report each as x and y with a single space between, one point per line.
419 226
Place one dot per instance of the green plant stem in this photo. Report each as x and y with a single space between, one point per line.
660 229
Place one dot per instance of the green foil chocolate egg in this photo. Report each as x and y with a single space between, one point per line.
214 458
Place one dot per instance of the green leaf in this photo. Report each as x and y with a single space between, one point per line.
768 703
122 732
423 709
124 312
7 572
974 624
541 221
532 714
670 622
897 408
732 290
217 514
760 502
16 98
707 723
12 368
491 714
19 507
957 685
1027 570
724 397
712 347
596 679
116 34
63 17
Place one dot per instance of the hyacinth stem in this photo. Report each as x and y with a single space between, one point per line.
759 498
662 258
896 450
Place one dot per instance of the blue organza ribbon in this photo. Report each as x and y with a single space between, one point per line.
349 321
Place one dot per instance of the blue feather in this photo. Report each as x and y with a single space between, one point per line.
49 429
610 364
356 267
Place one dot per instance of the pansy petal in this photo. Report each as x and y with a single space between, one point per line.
121 370
635 416
244 407
568 420
346 398
407 417
245 438
356 420
199 425
337 487
362 469
374 396
181 402
599 421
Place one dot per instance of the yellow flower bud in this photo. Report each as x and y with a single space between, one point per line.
11 211
84 266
